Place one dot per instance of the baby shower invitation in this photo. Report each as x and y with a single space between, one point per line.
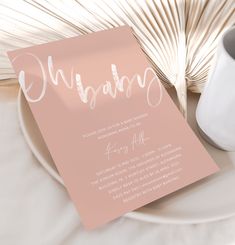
116 137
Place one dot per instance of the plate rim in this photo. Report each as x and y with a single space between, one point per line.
135 214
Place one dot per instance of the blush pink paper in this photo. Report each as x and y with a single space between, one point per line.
115 153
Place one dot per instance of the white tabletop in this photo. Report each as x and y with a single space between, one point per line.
35 209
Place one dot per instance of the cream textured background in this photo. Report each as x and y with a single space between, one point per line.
34 208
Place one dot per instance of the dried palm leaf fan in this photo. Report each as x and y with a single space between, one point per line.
178 36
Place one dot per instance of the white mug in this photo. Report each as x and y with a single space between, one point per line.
215 112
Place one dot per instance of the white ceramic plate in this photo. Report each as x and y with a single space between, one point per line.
210 199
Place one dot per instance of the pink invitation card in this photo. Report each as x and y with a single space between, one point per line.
115 135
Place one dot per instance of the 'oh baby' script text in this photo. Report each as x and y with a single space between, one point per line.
89 94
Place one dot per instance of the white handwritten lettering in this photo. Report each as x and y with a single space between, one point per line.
89 94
